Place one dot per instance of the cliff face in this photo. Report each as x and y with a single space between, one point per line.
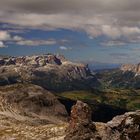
123 127
132 68
49 71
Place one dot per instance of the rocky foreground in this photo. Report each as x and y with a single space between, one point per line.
81 127
29 112
52 72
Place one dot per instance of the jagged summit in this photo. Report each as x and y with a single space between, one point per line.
37 60
34 60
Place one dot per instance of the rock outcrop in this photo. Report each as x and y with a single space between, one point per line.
29 112
49 71
123 127
81 126
32 104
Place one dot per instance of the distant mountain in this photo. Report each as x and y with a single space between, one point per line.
135 68
52 72
127 76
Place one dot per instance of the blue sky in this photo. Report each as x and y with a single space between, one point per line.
89 31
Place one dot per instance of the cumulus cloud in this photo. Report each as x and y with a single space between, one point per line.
4 35
111 18
17 38
2 45
35 42
63 48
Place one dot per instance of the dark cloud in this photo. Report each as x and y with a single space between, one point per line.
111 18
60 6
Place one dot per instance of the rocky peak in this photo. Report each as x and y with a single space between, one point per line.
40 61
80 113
80 126
37 60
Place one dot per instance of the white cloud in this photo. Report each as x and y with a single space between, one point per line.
17 38
7 37
35 42
63 48
112 32
2 45
4 35
130 31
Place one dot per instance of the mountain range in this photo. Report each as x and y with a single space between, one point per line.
48 71
37 93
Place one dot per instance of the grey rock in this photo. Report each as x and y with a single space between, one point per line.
32 103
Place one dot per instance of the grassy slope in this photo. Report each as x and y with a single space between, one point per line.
129 99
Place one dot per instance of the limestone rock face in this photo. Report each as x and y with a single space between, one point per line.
123 127
49 71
